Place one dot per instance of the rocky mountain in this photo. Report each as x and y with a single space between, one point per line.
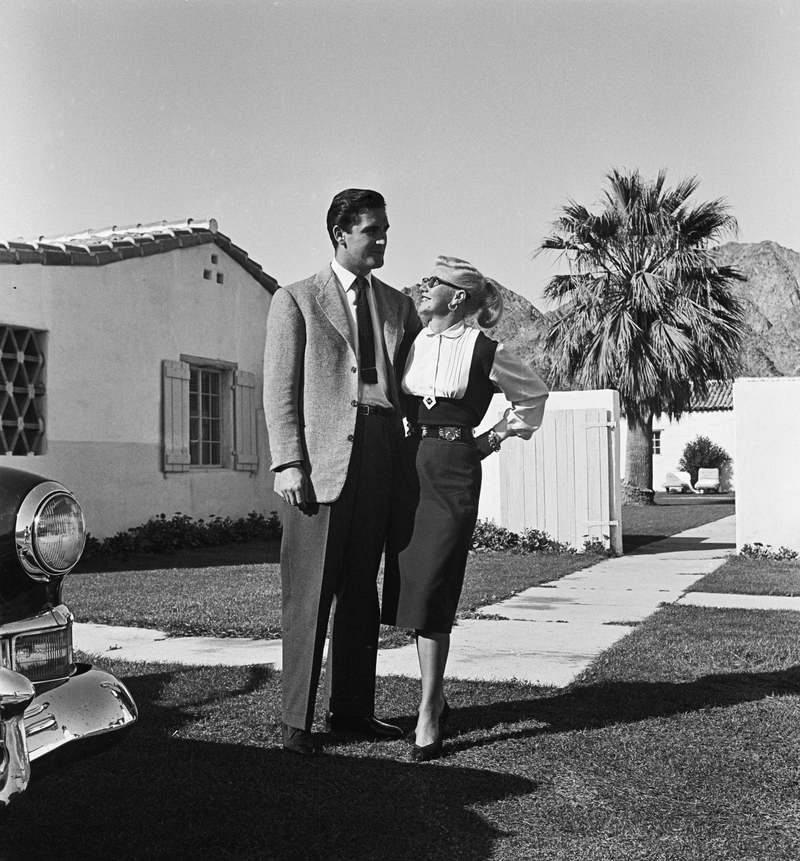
770 296
771 300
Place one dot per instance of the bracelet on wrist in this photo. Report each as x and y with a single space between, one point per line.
494 440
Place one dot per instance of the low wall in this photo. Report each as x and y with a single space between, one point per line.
767 411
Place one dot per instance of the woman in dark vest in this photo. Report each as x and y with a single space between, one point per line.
452 372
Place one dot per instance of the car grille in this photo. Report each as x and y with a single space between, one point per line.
44 655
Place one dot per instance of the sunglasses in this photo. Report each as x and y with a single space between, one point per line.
434 280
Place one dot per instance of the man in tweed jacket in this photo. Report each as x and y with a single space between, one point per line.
334 434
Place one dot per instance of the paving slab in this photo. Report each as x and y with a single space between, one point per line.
582 607
146 644
538 653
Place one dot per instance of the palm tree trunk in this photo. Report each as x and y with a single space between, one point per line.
638 486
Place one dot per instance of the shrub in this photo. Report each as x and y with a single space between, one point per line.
762 551
701 453
181 532
535 541
488 536
596 547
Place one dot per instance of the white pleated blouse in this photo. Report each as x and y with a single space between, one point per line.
438 366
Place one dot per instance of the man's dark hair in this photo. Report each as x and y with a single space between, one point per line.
348 205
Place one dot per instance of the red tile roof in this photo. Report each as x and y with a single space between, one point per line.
719 397
99 247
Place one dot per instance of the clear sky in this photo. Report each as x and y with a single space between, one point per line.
476 119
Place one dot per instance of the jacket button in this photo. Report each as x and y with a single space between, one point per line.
353 369
353 403
350 437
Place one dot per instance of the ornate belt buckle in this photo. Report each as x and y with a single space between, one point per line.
450 434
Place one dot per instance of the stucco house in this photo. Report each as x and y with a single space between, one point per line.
131 370
711 416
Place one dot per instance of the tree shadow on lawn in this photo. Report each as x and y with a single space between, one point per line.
594 706
157 796
246 553
676 544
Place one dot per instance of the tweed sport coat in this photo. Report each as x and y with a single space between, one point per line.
311 374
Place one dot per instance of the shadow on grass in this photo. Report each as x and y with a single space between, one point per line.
597 705
247 553
676 544
695 499
160 796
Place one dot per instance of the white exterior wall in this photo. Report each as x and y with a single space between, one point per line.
109 329
767 466
718 425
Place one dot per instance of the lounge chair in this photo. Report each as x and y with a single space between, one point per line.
679 481
707 480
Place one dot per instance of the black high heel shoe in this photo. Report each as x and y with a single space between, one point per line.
444 717
427 752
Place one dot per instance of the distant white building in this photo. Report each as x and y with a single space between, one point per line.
131 370
711 416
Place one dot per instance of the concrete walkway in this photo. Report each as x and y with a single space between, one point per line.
545 635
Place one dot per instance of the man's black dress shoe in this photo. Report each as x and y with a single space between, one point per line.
298 741
369 727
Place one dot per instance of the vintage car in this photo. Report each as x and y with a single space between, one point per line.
51 708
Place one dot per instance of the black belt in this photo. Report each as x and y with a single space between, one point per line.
451 433
372 410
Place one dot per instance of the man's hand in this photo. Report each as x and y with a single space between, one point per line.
293 485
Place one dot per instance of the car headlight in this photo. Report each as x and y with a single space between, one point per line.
50 531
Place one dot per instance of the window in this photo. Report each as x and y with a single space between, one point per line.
22 392
209 416
656 442
205 417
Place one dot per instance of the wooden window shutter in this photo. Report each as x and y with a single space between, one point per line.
245 455
175 376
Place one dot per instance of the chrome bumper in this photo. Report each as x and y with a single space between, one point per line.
83 714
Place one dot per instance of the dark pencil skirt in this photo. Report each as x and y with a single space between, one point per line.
433 515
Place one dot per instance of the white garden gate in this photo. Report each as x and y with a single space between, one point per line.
565 480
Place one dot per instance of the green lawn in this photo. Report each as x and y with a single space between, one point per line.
741 575
682 741
679 743
672 513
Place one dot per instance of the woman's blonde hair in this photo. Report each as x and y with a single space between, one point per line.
485 305
484 298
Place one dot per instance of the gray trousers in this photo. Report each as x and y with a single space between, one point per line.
330 556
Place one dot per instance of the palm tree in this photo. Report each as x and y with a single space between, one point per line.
644 308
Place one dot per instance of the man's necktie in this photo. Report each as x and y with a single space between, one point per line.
366 338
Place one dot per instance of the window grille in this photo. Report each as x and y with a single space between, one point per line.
21 391
205 417
656 442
